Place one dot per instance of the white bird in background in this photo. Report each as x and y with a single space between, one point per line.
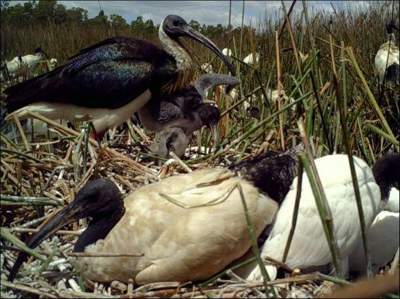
273 97
309 247
207 67
383 234
30 61
227 52
52 64
252 58
387 58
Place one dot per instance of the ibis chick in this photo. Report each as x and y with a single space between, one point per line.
175 117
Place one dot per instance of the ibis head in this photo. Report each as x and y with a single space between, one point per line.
175 27
391 26
99 199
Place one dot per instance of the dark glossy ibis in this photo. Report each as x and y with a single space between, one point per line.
107 82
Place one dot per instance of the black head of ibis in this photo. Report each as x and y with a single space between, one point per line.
386 173
99 199
41 52
175 27
391 27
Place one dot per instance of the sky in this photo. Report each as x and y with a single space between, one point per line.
206 12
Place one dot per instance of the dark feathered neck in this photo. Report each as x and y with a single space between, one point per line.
271 172
387 173
99 227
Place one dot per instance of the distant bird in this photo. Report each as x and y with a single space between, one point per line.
383 234
207 67
387 58
29 61
52 64
186 110
303 57
184 228
107 82
272 97
252 58
309 247
227 52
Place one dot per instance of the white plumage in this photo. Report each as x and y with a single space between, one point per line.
52 64
207 67
102 118
177 243
383 241
387 65
393 200
309 246
227 52
252 58
383 237
273 97
30 61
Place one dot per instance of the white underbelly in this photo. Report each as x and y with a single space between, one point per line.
102 118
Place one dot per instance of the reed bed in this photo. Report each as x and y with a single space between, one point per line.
336 97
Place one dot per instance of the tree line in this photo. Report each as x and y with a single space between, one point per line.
50 12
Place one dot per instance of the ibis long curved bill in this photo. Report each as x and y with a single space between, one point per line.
192 33
64 217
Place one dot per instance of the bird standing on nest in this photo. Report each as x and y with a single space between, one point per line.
107 82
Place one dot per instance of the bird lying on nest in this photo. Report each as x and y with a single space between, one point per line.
189 227
185 227
309 248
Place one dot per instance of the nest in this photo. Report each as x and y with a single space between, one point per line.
56 169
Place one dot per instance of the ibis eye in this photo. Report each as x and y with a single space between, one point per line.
175 23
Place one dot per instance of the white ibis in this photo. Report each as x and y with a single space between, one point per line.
107 82
175 117
227 52
387 58
29 61
309 247
185 227
252 58
52 64
207 67
383 234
